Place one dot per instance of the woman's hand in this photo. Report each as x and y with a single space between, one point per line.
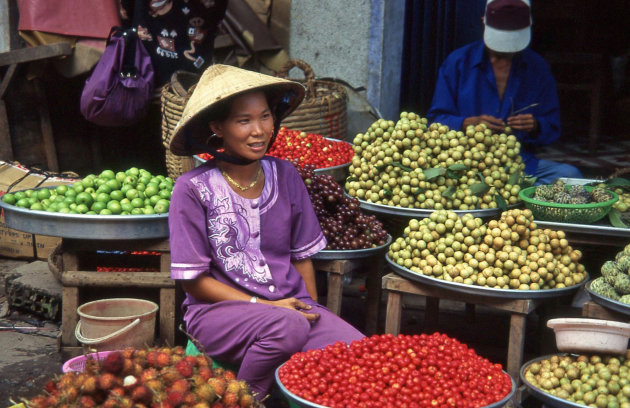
524 122
293 304
490 121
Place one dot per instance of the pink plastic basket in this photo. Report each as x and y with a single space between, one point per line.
77 364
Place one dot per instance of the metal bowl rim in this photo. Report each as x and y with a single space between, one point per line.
540 393
310 404
482 290
604 301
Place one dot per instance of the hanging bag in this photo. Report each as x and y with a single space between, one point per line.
120 88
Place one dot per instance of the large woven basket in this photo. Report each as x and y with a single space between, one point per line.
175 94
324 108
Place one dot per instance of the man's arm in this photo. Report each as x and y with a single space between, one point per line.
444 105
543 124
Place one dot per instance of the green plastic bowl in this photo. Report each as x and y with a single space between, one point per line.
569 213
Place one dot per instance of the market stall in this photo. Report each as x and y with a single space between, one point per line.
116 238
441 211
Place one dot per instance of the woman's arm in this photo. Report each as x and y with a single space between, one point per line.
211 290
305 268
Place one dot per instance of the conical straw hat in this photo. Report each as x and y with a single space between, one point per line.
218 83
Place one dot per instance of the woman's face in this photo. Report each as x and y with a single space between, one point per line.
247 129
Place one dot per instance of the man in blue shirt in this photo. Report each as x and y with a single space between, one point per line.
500 82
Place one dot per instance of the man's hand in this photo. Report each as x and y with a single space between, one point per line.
524 122
293 304
490 121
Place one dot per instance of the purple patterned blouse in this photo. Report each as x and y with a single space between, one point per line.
245 243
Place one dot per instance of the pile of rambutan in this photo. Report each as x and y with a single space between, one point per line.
147 378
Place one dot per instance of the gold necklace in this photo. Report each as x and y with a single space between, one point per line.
242 188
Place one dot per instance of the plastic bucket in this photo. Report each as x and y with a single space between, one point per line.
113 324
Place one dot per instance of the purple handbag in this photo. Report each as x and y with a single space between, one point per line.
119 90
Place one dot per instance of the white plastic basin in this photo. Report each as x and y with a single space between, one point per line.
590 335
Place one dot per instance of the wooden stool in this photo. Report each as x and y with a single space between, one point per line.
596 311
396 286
337 268
73 279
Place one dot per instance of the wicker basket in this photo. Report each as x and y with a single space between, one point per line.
324 108
175 94
570 213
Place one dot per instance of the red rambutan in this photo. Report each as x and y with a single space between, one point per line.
112 363
184 368
107 381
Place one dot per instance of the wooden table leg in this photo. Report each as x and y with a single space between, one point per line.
374 266
167 316
335 289
515 345
69 316
394 313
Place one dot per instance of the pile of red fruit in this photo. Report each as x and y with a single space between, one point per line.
155 377
340 218
403 371
307 148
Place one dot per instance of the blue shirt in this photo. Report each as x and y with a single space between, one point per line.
466 87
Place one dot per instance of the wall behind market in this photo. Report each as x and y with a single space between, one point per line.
358 41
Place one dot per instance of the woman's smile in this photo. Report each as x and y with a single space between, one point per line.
247 130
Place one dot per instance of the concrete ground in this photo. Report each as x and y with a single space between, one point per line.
29 355
28 344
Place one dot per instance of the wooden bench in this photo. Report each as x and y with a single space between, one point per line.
396 286
77 274
596 311
338 268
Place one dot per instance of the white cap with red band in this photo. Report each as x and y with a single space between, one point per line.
507 25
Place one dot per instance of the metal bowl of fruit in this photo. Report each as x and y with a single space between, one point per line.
603 297
84 226
353 253
567 387
473 289
568 203
110 206
304 379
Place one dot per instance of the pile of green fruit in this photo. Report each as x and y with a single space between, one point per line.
623 204
562 193
132 192
615 280
589 380
510 253
412 164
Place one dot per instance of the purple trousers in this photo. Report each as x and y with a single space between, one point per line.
261 337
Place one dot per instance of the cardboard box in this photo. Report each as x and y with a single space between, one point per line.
18 244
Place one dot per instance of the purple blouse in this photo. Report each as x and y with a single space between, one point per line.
245 243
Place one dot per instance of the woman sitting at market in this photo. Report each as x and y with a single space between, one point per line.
243 229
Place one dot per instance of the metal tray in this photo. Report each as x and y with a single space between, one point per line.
423 213
482 290
301 402
607 302
352 253
547 398
599 228
82 226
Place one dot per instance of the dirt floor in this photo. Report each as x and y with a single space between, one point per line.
28 347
